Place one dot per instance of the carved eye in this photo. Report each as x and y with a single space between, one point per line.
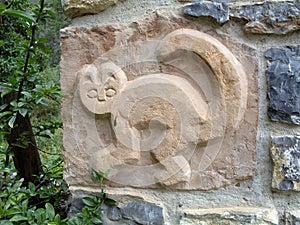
92 93
110 92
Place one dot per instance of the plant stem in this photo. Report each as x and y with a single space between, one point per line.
31 44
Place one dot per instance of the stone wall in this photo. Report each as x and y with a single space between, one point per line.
192 106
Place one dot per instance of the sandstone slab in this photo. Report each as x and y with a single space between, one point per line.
283 72
230 216
75 8
285 152
158 103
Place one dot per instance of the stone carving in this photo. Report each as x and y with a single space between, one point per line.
168 111
161 118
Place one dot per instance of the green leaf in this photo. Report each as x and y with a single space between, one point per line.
74 221
11 212
23 112
110 202
50 211
5 170
44 48
31 187
51 13
96 220
11 122
2 6
14 103
3 106
18 218
25 205
5 113
42 40
18 14
5 222
89 202
42 101
3 93
57 219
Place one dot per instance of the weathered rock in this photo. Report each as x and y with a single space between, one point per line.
230 216
269 18
285 152
172 94
76 206
217 10
114 213
74 8
283 72
143 213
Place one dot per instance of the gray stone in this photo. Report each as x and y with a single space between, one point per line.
216 10
143 213
283 74
285 151
76 206
276 18
114 213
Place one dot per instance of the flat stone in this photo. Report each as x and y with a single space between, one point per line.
283 73
174 107
269 17
230 216
285 151
216 10
75 8
143 213
292 217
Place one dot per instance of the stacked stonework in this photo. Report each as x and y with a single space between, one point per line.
192 107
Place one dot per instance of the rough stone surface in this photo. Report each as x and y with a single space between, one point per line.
230 216
285 152
217 10
292 217
269 17
76 206
153 110
74 8
283 72
143 213
133 213
114 213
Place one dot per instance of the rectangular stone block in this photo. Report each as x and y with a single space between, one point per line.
158 103
285 151
283 73
230 216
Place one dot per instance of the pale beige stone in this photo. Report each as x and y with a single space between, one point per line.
230 216
74 8
177 171
165 107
